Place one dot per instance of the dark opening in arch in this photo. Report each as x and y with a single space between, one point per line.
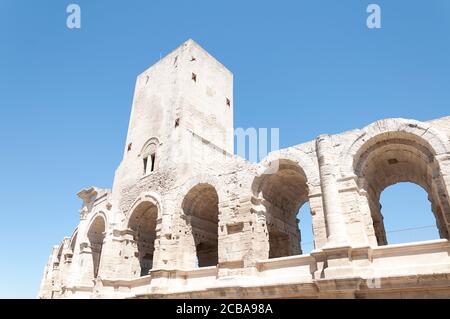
143 222
283 193
96 235
201 206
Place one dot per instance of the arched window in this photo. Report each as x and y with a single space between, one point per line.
201 207
96 235
143 224
148 155
283 193
397 157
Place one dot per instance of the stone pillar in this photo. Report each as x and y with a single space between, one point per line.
366 214
110 256
86 269
328 169
65 262
161 247
335 256
79 259
131 267
317 216
185 245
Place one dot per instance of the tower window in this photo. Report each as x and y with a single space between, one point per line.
148 155
228 102
152 157
177 122
129 147
194 77
149 162
145 164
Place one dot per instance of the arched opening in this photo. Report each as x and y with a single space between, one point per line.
394 158
407 214
283 194
306 229
96 235
201 207
143 225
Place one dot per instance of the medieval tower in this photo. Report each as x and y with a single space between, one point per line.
187 218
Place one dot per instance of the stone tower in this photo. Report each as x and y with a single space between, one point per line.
180 103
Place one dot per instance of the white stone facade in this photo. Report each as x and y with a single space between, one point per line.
187 218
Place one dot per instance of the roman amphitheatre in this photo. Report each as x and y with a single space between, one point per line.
187 218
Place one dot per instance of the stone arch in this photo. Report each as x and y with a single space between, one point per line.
394 151
59 253
200 211
71 245
73 240
431 138
151 197
269 165
201 179
96 235
283 185
143 223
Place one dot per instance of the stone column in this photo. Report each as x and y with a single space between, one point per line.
328 169
79 258
86 265
130 265
161 247
110 259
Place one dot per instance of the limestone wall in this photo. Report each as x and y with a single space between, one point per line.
205 223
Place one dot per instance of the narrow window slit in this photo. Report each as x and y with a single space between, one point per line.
145 164
153 162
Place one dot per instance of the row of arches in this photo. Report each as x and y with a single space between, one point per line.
200 208
379 162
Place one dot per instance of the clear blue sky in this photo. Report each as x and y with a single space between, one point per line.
306 67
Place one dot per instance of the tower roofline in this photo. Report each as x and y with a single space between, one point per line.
189 42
